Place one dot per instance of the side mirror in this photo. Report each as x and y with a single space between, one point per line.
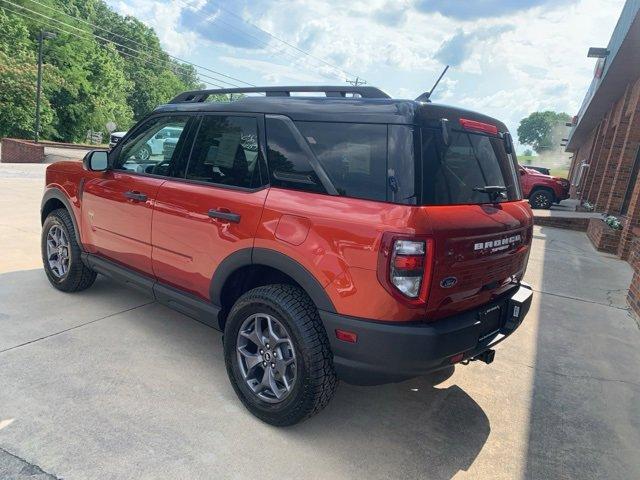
522 172
96 161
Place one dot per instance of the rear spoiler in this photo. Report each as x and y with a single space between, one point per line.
474 125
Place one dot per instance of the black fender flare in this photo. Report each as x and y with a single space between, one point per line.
57 194
273 259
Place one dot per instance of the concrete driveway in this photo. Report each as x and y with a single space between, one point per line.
107 384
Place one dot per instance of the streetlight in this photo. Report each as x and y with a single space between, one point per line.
41 37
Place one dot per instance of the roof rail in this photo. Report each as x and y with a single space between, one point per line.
196 96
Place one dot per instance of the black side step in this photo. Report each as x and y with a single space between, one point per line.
190 305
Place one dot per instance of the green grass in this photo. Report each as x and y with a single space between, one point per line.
527 160
535 160
560 172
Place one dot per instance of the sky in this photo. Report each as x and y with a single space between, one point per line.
508 58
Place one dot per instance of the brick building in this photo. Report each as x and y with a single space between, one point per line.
605 140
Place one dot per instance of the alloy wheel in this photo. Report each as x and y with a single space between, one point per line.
144 154
542 200
266 357
58 254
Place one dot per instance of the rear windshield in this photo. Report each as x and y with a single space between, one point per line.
456 173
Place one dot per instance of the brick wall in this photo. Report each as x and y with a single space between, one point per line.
579 224
612 151
629 141
603 237
21 151
633 296
612 147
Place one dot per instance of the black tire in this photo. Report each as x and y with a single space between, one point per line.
541 198
77 276
315 381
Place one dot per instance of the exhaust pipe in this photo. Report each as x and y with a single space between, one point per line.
487 356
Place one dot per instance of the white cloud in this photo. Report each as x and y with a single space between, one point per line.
272 72
164 19
507 66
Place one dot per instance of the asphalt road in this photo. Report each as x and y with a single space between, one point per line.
107 384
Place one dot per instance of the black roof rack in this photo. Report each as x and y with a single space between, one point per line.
196 96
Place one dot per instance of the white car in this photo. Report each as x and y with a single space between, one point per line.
115 137
154 146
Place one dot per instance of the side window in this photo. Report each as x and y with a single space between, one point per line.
154 147
354 156
226 152
289 165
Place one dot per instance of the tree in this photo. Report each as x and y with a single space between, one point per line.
90 78
18 82
528 152
543 130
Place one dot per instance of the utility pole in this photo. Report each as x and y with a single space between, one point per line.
357 81
41 37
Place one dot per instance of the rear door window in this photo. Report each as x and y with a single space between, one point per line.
354 156
226 152
452 174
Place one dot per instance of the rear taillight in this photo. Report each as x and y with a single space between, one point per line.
404 266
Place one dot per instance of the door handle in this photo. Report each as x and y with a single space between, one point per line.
229 216
135 196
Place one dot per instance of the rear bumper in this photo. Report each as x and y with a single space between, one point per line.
386 352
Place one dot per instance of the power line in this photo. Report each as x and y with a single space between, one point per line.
295 47
165 61
279 51
22 14
142 45
262 42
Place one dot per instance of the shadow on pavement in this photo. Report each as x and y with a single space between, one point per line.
152 373
413 429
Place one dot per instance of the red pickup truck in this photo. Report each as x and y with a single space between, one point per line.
351 236
543 190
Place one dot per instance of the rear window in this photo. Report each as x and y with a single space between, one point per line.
453 174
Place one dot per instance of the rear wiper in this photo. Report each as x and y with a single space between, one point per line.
495 192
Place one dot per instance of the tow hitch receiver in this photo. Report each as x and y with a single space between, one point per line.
487 356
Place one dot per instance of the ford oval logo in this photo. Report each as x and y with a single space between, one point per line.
448 282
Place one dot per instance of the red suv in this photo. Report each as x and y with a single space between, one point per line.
350 236
543 190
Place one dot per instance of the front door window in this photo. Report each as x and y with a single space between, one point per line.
153 147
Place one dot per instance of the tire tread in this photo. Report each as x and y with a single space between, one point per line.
80 277
322 380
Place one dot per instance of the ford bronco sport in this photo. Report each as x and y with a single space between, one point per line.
346 236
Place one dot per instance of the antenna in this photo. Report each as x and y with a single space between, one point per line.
425 97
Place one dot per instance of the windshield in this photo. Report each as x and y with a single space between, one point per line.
464 171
